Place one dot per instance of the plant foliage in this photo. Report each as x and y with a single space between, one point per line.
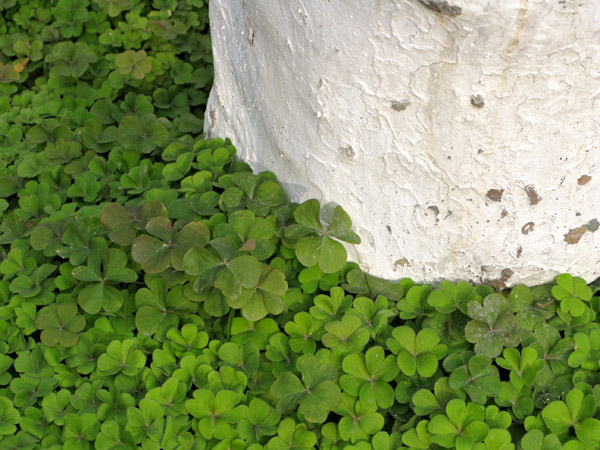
155 293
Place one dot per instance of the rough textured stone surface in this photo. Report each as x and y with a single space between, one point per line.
461 136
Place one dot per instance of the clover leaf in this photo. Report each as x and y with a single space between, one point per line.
134 63
261 421
369 376
70 59
79 429
450 297
357 423
426 402
167 243
460 427
316 245
123 357
291 435
572 292
478 378
216 412
417 353
159 309
575 412
228 272
264 298
315 395
304 332
346 335
587 350
105 270
493 327
523 366
9 417
60 324
124 223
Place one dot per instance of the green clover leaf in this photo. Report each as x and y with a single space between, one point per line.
123 357
105 270
216 412
316 245
493 327
572 292
369 376
60 324
315 395
416 352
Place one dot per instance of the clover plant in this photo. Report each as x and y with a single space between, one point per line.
157 293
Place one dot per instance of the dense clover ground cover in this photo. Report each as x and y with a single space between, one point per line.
157 294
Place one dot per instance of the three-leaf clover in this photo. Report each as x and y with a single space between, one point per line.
493 327
166 244
478 378
572 292
461 427
60 324
417 353
123 357
369 376
317 244
357 422
159 309
216 412
577 412
315 395
523 366
292 436
105 270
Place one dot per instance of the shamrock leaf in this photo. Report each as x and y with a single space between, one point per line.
292 436
105 270
304 332
523 367
493 327
261 421
478 378
158 309
167 244
369 376
79 429
346 335
216 412
228 272
553 350
357 423
461 427
572 292
264 298
147 420
575 412
315 395
9 417
70 59
426 402
124 223
121 356
450 297
60 324
587 351
416 352
134 63
332 306
536 440
316 245
418 437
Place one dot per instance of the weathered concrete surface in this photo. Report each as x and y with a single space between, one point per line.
461 136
